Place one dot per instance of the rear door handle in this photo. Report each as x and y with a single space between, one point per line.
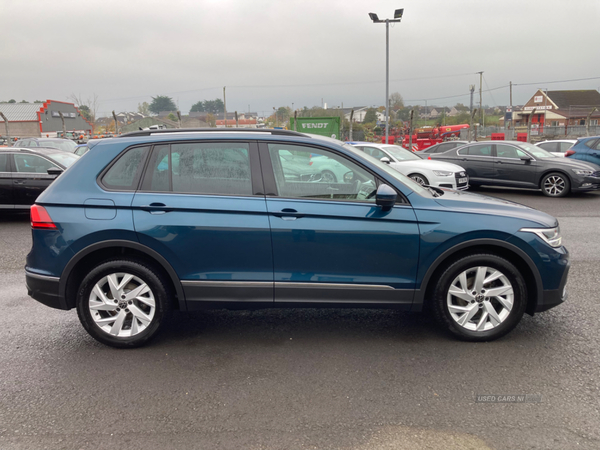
156 208
19 181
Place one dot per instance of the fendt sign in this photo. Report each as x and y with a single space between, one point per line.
323 126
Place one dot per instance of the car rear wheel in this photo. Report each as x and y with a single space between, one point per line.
555 185
421 179
480 297
123 303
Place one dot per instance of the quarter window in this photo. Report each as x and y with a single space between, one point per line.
306 172
200 168
125 172
3 163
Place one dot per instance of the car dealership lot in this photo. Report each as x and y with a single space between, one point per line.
363 379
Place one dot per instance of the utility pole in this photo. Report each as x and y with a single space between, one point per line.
511 95
529 124
114 117
480 97
65 128
351 118
237 122
224 107
8 144
587 121
472 89
410 126
179 117
296 122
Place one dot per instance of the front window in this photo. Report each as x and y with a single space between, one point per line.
307 172
27 163
508 151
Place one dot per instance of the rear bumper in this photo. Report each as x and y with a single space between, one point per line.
44 289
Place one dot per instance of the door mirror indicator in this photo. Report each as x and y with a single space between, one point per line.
385 160
385 197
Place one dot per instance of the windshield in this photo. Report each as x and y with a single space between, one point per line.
400 153
61 144
535 150
66 159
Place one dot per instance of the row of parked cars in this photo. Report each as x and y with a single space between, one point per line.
27 168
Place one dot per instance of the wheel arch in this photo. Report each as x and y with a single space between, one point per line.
508 251
90 256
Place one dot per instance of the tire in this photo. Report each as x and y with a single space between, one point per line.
328 176
421 179
131 319
479 317
555 185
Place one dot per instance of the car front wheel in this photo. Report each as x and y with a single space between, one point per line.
123 303
480 297
555 185
421 179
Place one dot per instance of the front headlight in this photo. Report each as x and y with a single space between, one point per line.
442 173
583 172
550 235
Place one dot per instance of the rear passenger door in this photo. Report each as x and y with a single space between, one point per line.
6 182
478 160
201 205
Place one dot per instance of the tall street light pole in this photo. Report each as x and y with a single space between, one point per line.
397 18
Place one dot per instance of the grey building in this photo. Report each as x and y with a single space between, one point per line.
42 119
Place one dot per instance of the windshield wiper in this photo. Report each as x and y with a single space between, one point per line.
436 191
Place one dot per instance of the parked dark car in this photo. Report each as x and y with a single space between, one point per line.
443 147
24 174
522 165
66 145
179 219
586 149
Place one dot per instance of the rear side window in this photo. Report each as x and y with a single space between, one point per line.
28 163
477 150
550 146
200 168
125 173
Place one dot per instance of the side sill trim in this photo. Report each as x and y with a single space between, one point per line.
42 277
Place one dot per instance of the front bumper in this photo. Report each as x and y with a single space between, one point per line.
44 289
590 183
554 297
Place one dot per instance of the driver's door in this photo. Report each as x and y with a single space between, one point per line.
331 243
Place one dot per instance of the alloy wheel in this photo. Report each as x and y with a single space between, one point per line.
480 298
122 304
554 185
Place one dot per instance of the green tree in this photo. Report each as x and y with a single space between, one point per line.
215 106
144 108
370 116
24 101
12 100
162 103
172 117
38 101
85 112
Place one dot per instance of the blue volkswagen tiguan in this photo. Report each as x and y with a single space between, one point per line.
189 219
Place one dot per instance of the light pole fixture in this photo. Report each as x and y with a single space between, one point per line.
397 18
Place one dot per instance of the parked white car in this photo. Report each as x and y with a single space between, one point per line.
557 147
423 171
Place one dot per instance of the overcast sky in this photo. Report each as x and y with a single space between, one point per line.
293 52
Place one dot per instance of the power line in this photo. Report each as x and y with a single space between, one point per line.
560 81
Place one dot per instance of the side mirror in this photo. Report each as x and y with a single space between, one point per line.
526 158
54 171
385 197
348 177
385 160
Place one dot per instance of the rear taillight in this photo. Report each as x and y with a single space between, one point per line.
569 153
40 218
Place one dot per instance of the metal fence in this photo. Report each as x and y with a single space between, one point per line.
562 132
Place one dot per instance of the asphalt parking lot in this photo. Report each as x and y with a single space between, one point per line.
322 379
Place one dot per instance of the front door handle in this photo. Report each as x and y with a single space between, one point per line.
19 181
288 214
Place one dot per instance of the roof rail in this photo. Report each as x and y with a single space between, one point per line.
213 130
